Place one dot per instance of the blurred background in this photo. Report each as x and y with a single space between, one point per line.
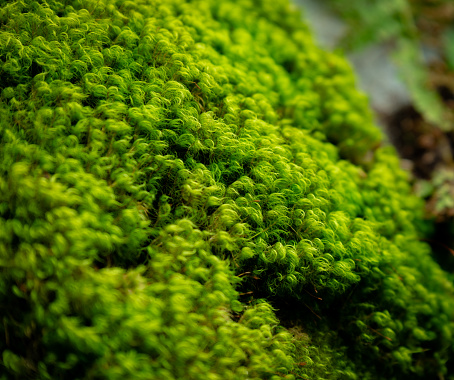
403 55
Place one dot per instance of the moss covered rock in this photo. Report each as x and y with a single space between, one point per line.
172 173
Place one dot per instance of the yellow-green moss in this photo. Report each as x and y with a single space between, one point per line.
170 172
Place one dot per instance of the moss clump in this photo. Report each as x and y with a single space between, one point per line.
171 169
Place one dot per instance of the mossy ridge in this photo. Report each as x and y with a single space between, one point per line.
170 319
171 131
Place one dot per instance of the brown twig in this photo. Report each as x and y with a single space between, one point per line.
441 244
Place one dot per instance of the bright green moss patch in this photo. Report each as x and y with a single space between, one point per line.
171 172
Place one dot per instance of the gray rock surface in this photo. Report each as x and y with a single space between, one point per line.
376 73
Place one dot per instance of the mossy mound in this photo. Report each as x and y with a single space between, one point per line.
173 171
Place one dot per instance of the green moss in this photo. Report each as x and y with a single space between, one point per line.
169 170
